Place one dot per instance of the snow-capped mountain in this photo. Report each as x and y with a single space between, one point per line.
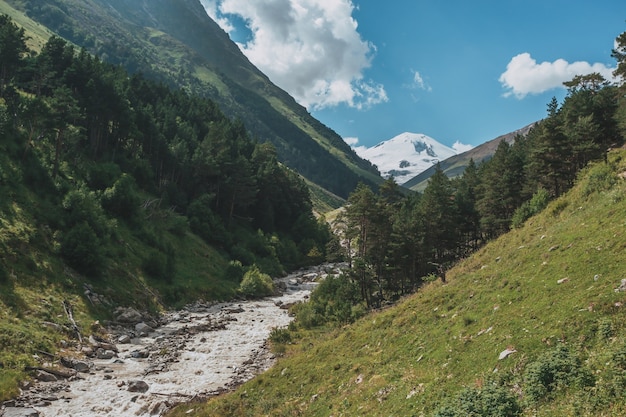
406 155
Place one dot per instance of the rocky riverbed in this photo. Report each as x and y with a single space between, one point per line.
145 367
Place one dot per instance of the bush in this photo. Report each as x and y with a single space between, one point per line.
335 300
535 205
122 200
82 249
234 271
553 371
601 178
256 284
489 401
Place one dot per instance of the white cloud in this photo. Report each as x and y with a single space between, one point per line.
351 141
418 82
525 76
461 147
309 48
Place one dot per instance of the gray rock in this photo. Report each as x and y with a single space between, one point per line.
44 376
78 365
139 354
143 329
138 386
124 339
20 412
105 354
128 315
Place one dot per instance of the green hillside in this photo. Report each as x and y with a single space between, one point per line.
549 291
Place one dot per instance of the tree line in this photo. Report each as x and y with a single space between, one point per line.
396 241
102 146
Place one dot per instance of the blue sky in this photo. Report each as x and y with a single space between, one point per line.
458 71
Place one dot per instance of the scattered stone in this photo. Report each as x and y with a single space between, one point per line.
553 248
622 286
562 280
596 277
138 386
506 352
123 339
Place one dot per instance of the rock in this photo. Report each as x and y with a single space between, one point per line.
124 339
44 376
622 286
128 315
138 386
105 354
233 310
562 280
139 354
143 329
20 412
506 352
78 365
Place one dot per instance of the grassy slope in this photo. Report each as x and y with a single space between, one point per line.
411 358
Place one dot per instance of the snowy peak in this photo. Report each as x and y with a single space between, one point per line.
406 155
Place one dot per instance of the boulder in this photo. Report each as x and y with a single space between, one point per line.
128 315
124 339
143 329
105 354
138 386
44 376
77 365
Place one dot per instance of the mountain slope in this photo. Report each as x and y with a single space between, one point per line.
406 155
178 43
532 324
456 164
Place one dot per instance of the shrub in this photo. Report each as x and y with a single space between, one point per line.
553 371
535 205
256 284
82 249
122 200
491 400
601 178
234 271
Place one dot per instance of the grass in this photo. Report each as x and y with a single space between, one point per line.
550 283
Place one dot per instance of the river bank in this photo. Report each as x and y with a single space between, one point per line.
200 351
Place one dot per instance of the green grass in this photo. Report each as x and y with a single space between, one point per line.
418 355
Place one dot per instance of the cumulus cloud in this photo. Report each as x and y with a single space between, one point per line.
461 147
525 76
310 48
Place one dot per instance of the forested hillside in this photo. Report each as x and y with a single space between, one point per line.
131 191
178 44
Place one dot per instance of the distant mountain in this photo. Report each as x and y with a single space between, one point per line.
176 42
455 165
406 155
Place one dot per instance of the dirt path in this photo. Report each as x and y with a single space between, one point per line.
200 351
